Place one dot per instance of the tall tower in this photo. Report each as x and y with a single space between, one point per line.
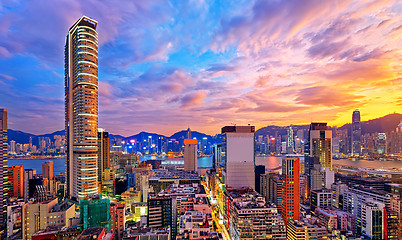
3 167
81 108
290 189
356 133
48 170
238 156
190 155
16 180
320 144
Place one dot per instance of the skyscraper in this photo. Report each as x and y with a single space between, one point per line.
3 167
103 152
81 108
28 174
48 170
190 155
291 189
238 156
48 174
381 143
356 133
320 144
16 178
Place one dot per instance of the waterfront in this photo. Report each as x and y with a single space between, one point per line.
36 164
270 162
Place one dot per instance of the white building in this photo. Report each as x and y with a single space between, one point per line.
238 157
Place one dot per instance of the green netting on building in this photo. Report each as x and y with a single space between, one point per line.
95 213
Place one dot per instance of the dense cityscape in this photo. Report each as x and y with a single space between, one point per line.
279 181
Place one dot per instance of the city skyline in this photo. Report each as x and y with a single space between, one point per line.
325 60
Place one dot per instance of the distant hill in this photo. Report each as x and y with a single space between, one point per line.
194 134
19 136
386 123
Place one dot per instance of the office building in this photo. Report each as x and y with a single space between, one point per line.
356 134
16 179
81 108
48 173
103 153
374 220
271 188
290 189
320 144
160 213
259 170
3 168
238 156
48 170
381 143
12 147
190 155
40 215
290 141
28 174
320 199
95 212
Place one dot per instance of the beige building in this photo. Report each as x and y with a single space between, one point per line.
190 155
299 230
81 108
39 215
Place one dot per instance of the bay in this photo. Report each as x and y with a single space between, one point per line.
270 162
58 163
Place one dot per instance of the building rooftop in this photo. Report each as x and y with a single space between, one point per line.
94 233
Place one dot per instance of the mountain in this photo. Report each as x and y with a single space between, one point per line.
19 136
194 134
385 124
143 136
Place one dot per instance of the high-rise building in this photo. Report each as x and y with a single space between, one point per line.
320 144
48 175
103 152
12 147
259 170
160 213
81 108
291 189
374 218
238 156
381 143
117 218
290 140
28 174
3 167
16 178
356 134
190 155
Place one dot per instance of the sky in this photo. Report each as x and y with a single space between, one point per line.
168 65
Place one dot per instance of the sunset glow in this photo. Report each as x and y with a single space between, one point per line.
165 66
